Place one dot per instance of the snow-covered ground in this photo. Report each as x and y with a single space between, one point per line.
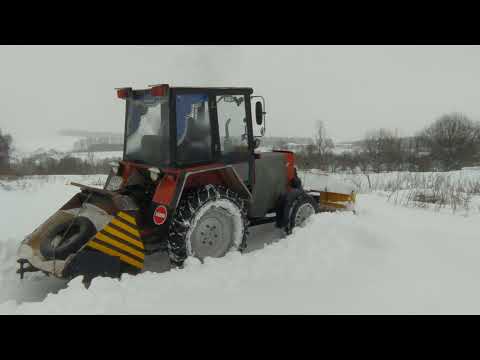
385 259
387 181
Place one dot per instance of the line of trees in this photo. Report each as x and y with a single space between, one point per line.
64 166
449 143
46 165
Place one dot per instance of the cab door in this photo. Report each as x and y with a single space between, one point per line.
192 128
235 133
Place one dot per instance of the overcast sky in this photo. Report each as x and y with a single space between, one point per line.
351 88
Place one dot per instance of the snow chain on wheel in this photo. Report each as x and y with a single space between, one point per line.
209 222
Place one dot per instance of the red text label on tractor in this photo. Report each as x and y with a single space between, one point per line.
160 215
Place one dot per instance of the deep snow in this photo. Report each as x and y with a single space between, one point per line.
385 259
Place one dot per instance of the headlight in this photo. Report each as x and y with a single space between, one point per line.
154 173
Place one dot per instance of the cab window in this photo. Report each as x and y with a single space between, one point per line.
232 125
194 141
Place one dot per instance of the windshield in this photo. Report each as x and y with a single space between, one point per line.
147 130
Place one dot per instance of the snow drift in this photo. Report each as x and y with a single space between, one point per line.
386 259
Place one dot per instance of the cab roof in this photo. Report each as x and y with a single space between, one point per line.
162 88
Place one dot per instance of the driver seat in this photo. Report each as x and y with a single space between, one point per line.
196 146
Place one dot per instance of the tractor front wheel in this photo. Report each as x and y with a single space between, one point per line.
209 222
300 210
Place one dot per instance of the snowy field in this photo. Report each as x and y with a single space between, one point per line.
390 180
386 259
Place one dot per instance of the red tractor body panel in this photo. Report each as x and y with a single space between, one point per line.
166 190
290 163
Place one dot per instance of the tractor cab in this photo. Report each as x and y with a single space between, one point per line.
185 128
178 127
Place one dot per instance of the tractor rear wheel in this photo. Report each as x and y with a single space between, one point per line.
209 222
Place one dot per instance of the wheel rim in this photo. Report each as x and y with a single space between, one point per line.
56 241
64 239
213 235
303 213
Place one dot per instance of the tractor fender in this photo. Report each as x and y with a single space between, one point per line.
171 188
224 175
284 204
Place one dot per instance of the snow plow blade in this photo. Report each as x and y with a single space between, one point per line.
332 194
333 201
112 246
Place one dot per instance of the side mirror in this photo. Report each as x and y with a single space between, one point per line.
258 113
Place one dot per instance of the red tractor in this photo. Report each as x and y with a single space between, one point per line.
190 183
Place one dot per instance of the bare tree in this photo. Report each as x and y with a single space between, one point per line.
322 141
5 149
453 140
383 150
91 157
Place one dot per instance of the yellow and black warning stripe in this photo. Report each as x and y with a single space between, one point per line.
121 238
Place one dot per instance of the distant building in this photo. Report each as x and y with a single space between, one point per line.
99 143
295 147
